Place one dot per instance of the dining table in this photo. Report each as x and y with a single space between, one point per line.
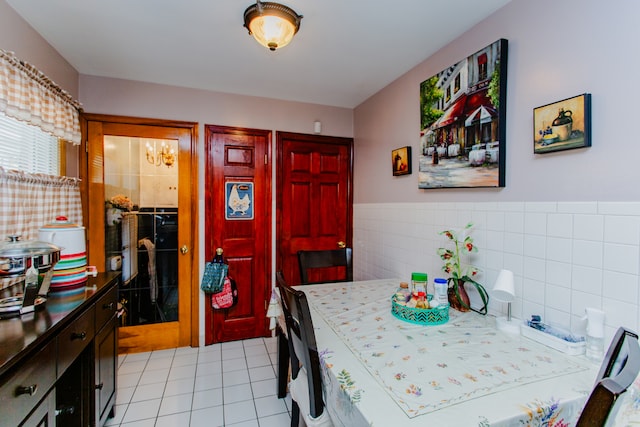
379 370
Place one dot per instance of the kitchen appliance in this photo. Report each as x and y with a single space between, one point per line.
26 268
70 272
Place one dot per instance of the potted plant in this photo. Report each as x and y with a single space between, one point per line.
462 243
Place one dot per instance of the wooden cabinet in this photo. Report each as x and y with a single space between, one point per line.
105 357
61 371
28 383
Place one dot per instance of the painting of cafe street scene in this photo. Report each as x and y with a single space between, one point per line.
462 118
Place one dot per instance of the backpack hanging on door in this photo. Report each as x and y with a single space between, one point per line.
228 297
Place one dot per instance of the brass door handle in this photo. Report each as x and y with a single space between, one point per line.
342 244
184 249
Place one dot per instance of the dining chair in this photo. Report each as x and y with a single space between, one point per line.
618 371
306 383
283 345
309 261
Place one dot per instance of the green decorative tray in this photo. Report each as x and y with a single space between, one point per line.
420 316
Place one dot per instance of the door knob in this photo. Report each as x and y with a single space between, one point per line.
342 244
184 249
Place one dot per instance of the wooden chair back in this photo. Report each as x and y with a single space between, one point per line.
303 351
336 259
618 371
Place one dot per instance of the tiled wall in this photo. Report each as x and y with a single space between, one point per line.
566 256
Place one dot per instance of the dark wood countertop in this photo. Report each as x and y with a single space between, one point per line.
23 336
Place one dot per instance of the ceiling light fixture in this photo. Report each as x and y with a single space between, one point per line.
273 25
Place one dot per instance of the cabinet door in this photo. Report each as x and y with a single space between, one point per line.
44 414
106 347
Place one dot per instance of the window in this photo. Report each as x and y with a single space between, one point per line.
27 148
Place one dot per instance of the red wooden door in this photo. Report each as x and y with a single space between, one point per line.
237 167
314 197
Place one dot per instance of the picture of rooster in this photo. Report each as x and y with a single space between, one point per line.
238 205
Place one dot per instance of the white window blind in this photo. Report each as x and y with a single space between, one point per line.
27 148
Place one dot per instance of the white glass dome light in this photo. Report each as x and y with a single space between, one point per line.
273 25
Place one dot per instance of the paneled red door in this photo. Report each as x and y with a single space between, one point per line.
314 197
238 220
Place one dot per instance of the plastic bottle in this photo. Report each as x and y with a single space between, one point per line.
595 334
440 291
418 283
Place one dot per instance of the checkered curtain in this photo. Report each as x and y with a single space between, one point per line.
27 94
29 201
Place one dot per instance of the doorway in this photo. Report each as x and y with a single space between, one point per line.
314 197
238 168
141 207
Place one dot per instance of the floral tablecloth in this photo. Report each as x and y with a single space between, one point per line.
382 371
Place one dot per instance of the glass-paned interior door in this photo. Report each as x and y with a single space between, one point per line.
141 229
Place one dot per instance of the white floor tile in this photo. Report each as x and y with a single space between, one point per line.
237 393
239 411
264 388
207 382
154 376
175 404
250 423
223 385
235 378
182 386
159 363
232 353
278 420
270 405
132 367
174 420
234 364
258 350
141 410
261 373
260 360
180 372
124 394
212 356
129 380
209 368
209 417
142 423
207 399
147 392
185 359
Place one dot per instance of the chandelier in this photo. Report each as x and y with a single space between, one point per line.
273 25
165 156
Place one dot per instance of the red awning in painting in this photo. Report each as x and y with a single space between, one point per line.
453 114
479 108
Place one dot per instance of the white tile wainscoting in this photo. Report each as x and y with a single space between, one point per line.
566 256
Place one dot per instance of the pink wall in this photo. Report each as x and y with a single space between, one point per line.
129 98
556 50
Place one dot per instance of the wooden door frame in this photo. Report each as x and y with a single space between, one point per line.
95 220
316 139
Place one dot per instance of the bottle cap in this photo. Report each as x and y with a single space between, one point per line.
404 285
420 277
440 280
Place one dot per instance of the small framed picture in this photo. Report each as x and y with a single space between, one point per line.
401 161
562 125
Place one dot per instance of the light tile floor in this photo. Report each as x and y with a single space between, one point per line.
230 384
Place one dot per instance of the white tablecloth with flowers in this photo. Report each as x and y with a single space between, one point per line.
381 371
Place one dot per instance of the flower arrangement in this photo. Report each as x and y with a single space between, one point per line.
452 257
120 201
461 274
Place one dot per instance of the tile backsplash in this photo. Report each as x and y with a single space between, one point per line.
565 256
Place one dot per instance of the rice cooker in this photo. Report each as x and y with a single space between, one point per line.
71 271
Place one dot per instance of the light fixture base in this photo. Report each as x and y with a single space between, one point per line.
509 326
